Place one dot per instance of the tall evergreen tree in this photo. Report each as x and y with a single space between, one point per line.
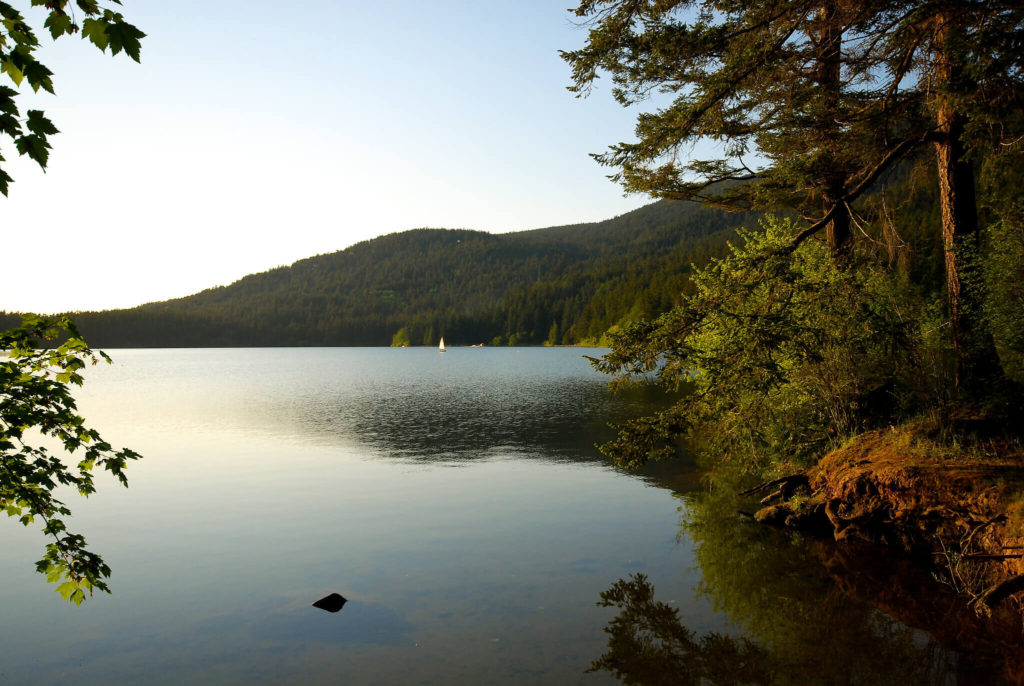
970 59
787 89
827 95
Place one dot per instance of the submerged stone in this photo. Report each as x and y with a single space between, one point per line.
331 603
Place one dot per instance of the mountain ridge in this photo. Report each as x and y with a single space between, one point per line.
560 284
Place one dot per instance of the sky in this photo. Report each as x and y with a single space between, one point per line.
254 134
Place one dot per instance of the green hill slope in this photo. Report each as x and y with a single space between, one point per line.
565 284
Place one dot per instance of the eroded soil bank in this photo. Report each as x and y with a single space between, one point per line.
957 511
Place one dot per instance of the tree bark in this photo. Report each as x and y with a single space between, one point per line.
829 78
837 233
977 364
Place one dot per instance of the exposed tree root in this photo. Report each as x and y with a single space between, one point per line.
998 593
950 514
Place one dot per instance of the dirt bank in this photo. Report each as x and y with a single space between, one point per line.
958 511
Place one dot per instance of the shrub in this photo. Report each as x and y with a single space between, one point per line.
784 350
1004 280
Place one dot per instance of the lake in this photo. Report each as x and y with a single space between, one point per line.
459 504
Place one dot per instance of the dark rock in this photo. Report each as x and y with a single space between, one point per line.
773 515
331 603
810 519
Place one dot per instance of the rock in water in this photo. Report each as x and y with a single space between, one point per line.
331 603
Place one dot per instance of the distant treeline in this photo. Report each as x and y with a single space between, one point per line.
561 285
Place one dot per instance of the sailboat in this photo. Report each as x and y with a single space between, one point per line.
440 348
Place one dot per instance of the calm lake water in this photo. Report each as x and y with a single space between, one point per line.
457 501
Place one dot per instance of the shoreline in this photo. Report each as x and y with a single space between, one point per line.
956 511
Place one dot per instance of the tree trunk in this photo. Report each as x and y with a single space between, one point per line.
837 233
977 364
829 78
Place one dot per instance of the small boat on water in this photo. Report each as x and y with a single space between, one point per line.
441 348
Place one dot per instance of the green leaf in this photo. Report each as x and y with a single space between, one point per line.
59 24
34 147
96 31
9 13
37 123
11 69
90 7
5 182
124 36
66 589
7 104
38 75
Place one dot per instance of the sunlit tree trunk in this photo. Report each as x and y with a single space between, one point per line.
977 364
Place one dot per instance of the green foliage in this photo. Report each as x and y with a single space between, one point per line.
648 644
553 335
781 352
35 377
810 103
103 27
35 401
401 338
1004 275
797 94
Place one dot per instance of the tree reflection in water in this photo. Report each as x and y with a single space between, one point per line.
809 614
648 644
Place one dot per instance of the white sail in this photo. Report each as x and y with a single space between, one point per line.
441 347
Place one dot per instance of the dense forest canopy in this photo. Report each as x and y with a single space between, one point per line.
567 284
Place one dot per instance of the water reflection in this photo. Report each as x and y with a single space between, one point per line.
273 477
648 644
468 405
464 419
408 404
809 613
360 623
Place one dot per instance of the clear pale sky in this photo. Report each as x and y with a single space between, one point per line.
254 134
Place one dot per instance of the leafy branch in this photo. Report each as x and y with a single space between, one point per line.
102 27
46 357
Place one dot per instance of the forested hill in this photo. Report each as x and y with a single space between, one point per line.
566 284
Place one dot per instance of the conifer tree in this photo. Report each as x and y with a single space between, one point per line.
810 103
970 63
789 90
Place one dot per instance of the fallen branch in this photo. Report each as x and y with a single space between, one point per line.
785 483
970 538
1000 592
